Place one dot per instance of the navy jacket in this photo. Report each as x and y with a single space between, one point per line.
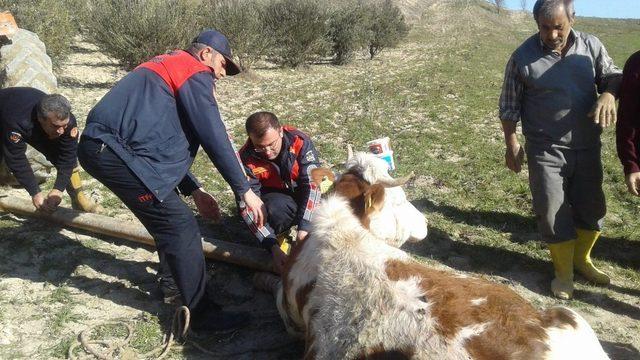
156 118
20 127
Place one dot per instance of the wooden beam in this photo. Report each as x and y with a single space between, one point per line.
250 257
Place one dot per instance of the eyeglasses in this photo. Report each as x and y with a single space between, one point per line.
270 147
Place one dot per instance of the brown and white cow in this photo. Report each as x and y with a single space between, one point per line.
354 296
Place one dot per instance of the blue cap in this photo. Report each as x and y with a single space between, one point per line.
219 43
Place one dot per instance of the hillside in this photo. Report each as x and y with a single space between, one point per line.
436 97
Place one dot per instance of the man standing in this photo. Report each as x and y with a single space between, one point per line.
279 160
628 126
550 84
140 141
29 116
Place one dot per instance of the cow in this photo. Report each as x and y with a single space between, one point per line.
351 294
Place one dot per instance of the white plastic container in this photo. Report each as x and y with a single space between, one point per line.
382 149
379 146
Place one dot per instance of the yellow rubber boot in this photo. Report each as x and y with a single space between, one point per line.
78 200
582 257
562 256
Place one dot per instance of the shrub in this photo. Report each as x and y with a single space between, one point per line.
348 31
386 25
242 22
133 31
51 20
298 29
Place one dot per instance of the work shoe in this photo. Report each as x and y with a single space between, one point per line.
209 317
169 290
582 257
562 256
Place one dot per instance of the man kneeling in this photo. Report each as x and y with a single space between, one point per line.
278 160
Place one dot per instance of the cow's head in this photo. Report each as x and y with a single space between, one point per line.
379 201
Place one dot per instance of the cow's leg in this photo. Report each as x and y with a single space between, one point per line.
266 282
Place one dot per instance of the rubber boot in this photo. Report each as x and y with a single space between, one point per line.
562 256
582 257
78 200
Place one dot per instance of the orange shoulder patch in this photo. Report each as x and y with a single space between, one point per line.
74 132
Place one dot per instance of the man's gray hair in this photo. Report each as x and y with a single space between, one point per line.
546 8
54 104
196 46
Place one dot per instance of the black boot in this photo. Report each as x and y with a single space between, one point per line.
209 317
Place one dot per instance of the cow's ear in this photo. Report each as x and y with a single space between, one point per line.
373 199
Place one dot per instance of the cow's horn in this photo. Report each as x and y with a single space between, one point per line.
396 182
349 152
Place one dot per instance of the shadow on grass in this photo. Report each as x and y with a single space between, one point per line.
619 351
497 220
621 251
54 258
533 274
37 252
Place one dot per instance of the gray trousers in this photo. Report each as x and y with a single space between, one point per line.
566 187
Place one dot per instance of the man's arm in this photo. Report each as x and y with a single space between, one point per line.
66 159
509 112
627 128
203 117
15 148
608 79
308 193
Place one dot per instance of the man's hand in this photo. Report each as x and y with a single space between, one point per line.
256 207
279 258
52 201
633 183
206 204
514 157
301 235
38 200
604 110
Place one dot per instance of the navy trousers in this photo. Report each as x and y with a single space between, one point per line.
170 222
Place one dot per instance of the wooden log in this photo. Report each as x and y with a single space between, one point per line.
252 258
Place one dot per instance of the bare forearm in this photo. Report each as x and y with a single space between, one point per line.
509 129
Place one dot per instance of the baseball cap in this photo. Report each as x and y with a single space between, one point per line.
219 43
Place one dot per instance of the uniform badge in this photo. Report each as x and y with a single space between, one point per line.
309 156
74 132
15 137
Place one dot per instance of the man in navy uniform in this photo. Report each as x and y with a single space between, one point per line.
29 116
140 141
279 160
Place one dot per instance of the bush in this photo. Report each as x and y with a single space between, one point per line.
298 29
348 31
133 31
242 22
386 25
51 20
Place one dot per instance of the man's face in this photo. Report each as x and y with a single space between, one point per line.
269 145
554 31
215 61
52 126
